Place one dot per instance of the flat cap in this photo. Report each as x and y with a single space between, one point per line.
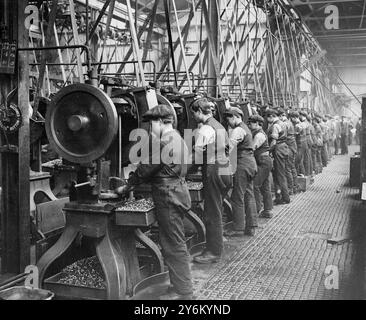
256 118
271 112
161 111
303 113
281 111
234 111
294 114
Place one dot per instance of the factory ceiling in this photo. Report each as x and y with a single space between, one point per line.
339 26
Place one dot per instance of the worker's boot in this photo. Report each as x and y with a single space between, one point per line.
250 232
266 214
231 233
278 200
206 258
282 201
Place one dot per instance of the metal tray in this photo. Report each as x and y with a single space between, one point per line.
24 293
139 219
72 291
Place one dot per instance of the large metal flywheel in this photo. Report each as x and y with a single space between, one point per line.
81 123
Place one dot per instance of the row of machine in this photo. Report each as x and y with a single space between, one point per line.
88 126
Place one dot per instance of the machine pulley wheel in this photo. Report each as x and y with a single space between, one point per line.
10 118
81 123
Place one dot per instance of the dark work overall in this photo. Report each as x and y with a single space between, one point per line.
325 148
242 198
262 184
319 143
344 138
301 149
314 150
280 154
172 201
291 171
215 188
308 162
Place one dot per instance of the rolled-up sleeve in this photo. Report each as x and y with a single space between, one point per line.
276 130
259 140
204 136
236 136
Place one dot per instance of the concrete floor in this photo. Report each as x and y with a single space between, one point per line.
289 257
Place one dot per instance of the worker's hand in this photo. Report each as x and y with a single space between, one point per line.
124 190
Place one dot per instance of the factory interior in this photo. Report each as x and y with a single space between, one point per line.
269 94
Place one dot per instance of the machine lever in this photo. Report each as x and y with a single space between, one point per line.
84 184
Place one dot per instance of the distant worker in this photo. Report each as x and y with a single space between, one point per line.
318 144
211 149
277 137
337 140
301 142
350 132
308 164
332 136
325 148
262 186
344 136
291 143
358 131
312 145
242 198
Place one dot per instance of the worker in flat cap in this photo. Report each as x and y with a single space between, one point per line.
337 138
312 141
277 136
291 171
344 135
170 194
211 152
332 135
326 138
242 198
301 143
358 131
262 185
308 162
318 144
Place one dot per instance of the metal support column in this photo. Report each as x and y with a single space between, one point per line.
213 11
15 153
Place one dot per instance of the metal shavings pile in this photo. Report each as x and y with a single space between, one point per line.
195 186
84 273
143 205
